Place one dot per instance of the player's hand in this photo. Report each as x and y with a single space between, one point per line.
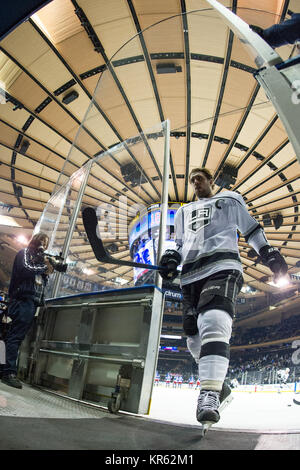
274 260
169 262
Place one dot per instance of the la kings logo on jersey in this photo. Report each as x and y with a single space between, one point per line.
199 218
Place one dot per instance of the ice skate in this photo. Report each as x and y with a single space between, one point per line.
225 396
210 404
207 409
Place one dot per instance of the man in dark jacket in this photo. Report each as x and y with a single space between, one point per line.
281 34
26 292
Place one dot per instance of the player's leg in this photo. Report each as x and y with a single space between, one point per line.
215 331
216 307
190 328
194 346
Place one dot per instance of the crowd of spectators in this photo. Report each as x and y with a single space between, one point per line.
286 329
259 359
262 359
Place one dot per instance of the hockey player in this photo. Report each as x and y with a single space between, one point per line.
281 34
211 278
179 381
175 381
283 376
191 381
168 379
234 383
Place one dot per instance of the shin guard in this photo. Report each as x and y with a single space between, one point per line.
215 331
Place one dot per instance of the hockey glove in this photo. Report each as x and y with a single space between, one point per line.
169 261
274 260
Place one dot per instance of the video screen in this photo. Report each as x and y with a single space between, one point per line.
143 237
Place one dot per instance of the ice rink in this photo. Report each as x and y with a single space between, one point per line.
262 410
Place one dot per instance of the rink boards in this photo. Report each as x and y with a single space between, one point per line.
101 347
270 388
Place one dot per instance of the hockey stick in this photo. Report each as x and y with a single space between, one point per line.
90 223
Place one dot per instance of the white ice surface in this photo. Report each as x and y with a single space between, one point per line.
265 411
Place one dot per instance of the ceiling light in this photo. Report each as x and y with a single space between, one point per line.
246 289
281 282
22 239
88 271
120 280
171 336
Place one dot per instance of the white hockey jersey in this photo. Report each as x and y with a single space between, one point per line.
206 235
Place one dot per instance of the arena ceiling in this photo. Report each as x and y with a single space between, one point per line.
183 64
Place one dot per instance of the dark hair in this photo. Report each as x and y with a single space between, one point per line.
207 173
36 240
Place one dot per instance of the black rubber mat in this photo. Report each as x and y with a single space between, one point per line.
114 433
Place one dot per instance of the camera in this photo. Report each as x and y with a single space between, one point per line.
56 261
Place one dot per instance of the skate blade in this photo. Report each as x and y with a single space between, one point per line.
225 403
206 425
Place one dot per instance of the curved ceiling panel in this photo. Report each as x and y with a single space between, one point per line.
157 60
